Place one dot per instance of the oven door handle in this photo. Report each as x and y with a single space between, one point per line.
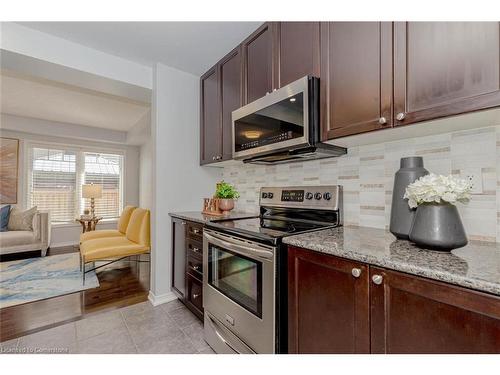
246 249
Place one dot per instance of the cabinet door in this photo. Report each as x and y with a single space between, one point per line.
258 62
410 314
445 68
328 307
179 257
356 77
231 76
194 296
211 138
299 51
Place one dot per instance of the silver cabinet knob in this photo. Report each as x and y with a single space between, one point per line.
183 223
213 157
356 272
400 116
382 121
196 268
196 295
196 250
377 279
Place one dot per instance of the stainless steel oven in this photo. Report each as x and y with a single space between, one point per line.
238 294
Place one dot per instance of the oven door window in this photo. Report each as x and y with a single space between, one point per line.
237 277
279 122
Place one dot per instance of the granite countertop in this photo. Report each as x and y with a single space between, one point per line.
475 266
198 217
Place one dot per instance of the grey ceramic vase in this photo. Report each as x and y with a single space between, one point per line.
411 169
438 227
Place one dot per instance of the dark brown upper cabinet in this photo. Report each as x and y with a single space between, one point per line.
299 51
211 129
258 54
444 69
328 304
356 77
414 315
221 93
231 76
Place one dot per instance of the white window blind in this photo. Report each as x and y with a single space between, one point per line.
57 174
53 183
104 170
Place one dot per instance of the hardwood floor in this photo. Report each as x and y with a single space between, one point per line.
121 284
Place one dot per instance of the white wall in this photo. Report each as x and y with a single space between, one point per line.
179 183
69 234
60 129
20 39
145 176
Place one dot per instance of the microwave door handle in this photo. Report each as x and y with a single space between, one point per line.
247 249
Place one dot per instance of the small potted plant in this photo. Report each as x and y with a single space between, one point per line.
226 193
437 223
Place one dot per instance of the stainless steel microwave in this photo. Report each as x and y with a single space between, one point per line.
282 126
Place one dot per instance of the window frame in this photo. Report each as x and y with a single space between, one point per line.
80 151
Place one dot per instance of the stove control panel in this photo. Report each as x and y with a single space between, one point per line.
317 197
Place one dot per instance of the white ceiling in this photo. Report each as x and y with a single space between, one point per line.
48 100
189 46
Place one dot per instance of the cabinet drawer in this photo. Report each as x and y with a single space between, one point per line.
194 248
195 267
195 231
195 293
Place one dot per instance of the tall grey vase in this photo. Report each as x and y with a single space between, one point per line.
438 227
402 215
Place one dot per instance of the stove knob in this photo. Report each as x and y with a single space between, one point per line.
264 195
318 196
309 195
270 195
327 196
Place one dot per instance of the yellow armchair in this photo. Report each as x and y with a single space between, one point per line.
136 241
118 232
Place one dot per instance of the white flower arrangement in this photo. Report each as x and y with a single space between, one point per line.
437 189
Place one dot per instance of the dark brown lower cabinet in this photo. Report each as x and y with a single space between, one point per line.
411 314
382 311
328 306
187 270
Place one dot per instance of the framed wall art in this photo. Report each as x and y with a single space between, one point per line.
9 164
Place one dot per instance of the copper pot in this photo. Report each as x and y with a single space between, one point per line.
226 204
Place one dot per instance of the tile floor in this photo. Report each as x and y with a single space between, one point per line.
166 329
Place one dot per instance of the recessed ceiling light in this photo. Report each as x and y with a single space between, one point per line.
292 99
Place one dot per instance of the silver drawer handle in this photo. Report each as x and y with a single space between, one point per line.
196 268
377 279
196 231
195 249
356 272
400 116
196 295
382 121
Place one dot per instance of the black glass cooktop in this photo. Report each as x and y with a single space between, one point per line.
269 230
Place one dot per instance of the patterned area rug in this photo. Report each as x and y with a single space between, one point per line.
33 279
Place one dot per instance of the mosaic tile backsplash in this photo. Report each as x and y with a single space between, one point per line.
367 176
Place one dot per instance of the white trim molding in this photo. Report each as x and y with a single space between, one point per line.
161 299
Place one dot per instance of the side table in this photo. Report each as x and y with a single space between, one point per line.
88 224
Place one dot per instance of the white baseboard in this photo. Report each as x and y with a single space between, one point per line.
61 244
161 299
